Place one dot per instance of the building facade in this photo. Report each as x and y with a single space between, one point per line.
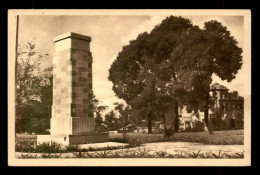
227 112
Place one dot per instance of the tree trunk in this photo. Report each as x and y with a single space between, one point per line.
164 125
176 123
206 115
167 132
149 126
124 133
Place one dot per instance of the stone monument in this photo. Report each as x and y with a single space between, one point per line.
72 119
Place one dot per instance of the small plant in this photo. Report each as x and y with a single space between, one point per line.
143 153
79 154
180 155
92 149
27 156
49 155
131 154
72 148
134 142
227 155
219 155
171 156
90 155
47 147
161 153
124 153
206 155
239 155
102 154
193 154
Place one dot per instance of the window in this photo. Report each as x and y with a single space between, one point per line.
232 123
214 122
233 106
226 104
240 106
222 106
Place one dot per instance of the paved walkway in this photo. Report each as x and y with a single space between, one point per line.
173 147
102 145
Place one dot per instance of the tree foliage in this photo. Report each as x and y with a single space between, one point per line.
173 65
111 121
98 109
33 90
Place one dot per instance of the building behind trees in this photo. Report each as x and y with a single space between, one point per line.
226 113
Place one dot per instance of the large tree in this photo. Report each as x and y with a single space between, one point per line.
173 66
38 112
32 86
146 80
205 52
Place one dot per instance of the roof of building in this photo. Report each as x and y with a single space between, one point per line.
217 86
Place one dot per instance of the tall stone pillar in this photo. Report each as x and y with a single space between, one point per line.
72 119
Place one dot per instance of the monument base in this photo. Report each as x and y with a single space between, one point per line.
74 139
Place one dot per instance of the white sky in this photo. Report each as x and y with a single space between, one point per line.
109 34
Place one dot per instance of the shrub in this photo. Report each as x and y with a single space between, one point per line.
143 153
161 154
118 139
22 145
197 127
134 142
47 147
49 155
158 131
72 148
79 154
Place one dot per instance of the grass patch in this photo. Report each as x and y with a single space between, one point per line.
231 137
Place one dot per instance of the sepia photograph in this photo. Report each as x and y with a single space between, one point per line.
129 88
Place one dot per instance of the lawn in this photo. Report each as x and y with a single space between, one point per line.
141 145
231 137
